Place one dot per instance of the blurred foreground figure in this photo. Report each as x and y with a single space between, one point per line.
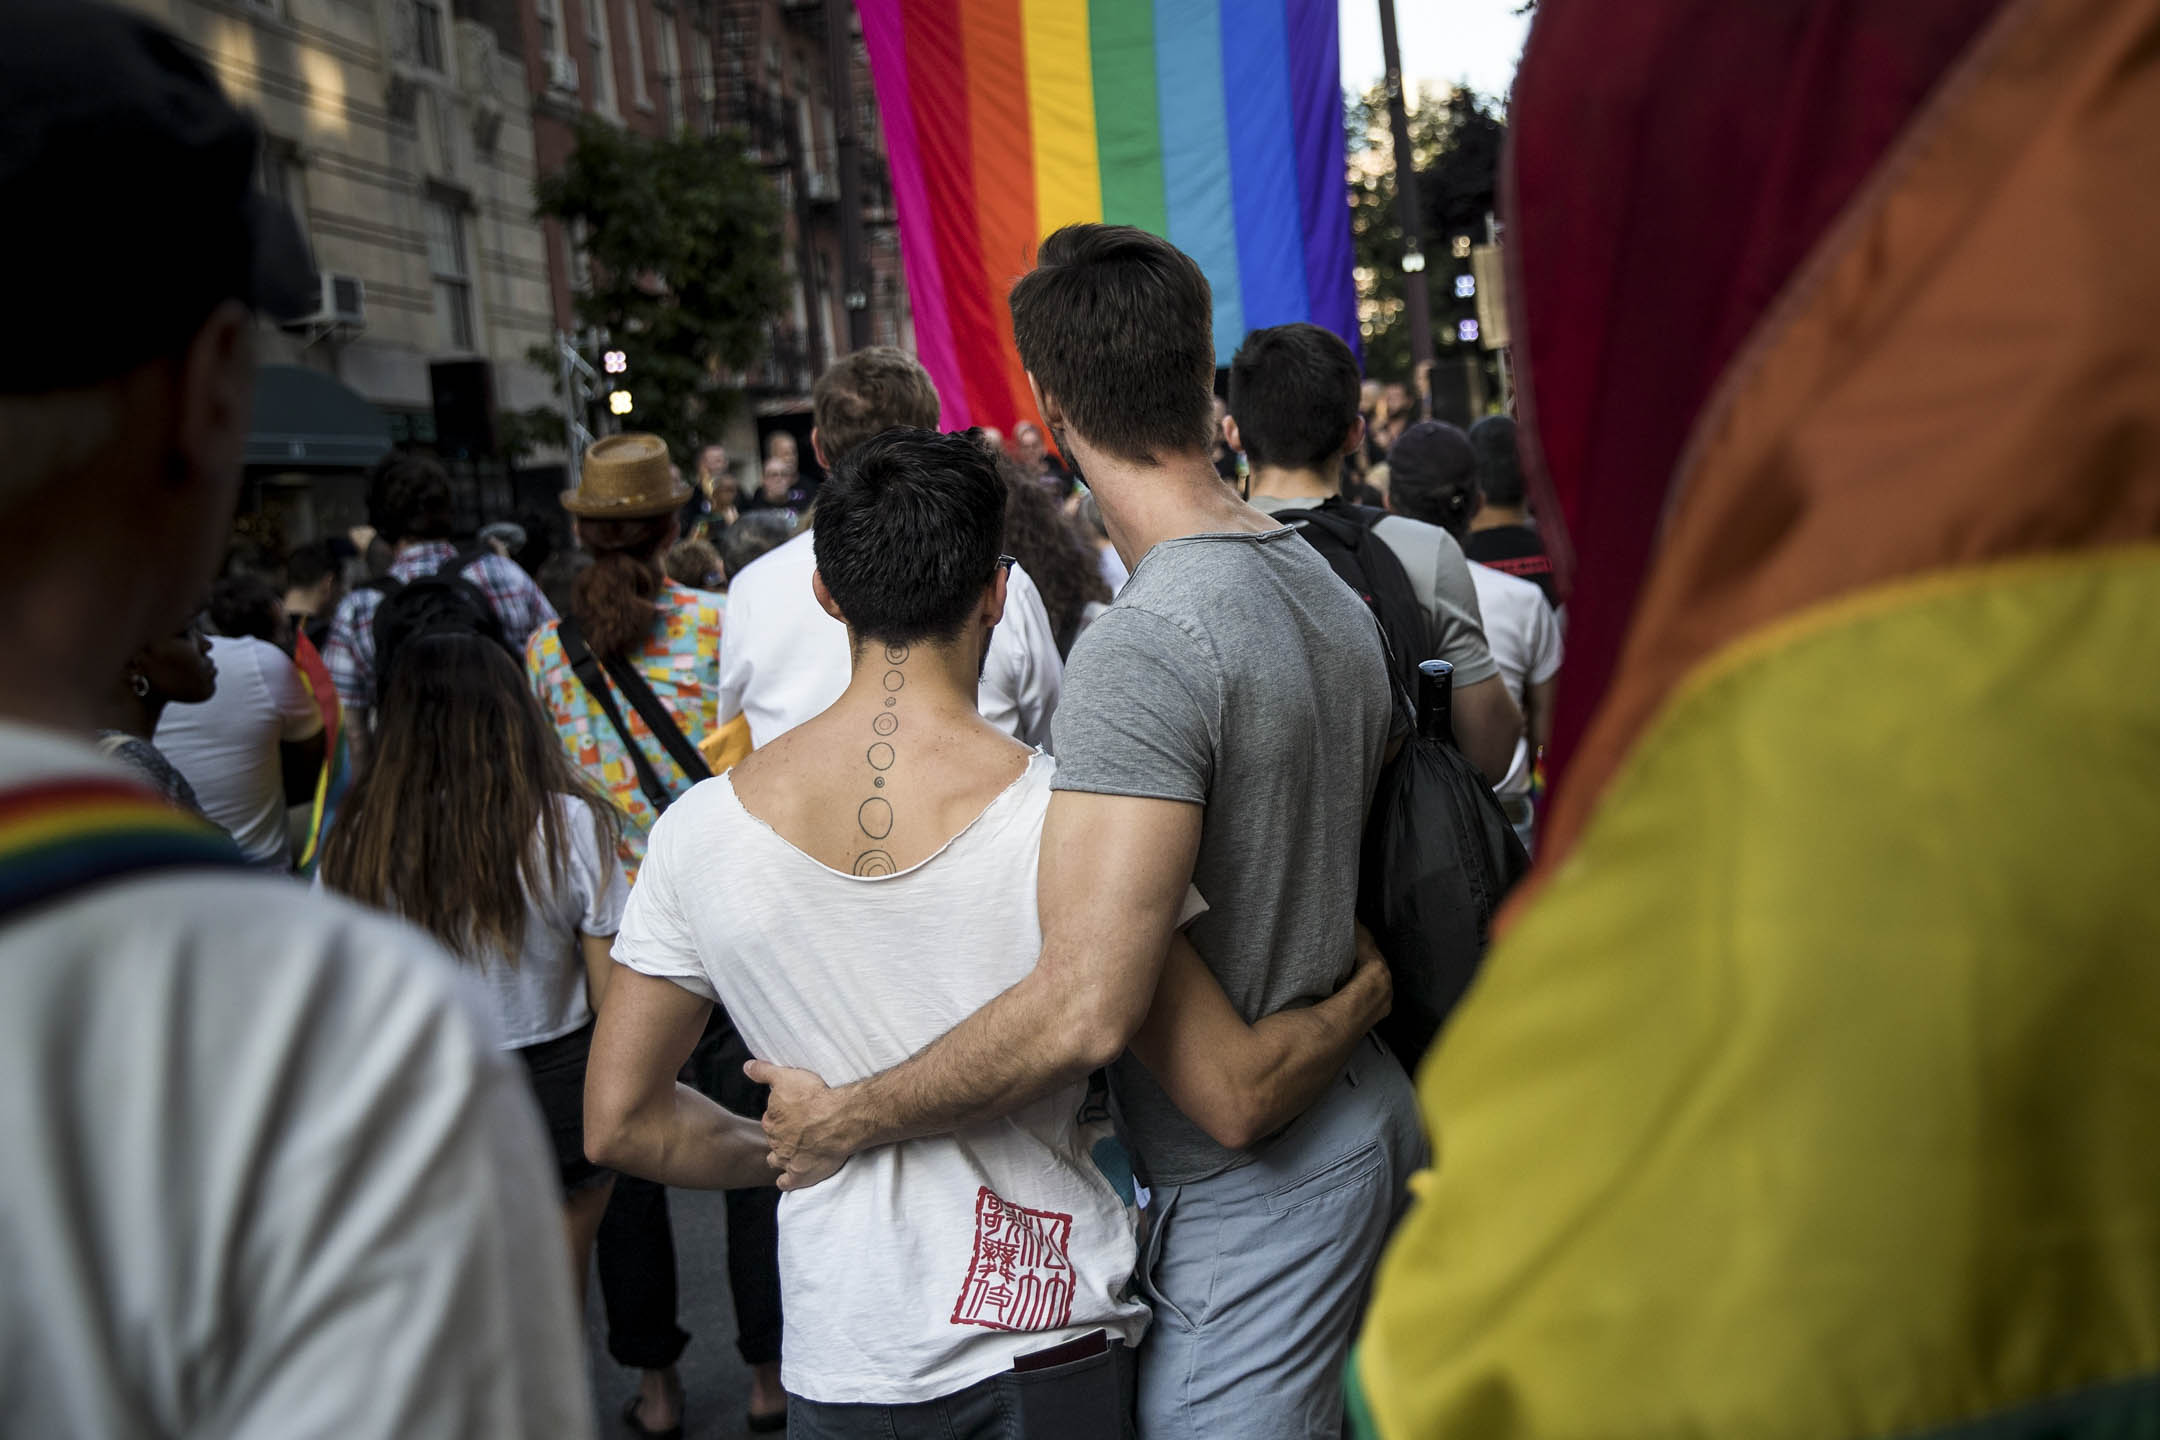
266 1176
1815 1087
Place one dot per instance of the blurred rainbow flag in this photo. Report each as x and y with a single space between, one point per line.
1812 1088
1216 124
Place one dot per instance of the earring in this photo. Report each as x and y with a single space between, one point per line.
139 684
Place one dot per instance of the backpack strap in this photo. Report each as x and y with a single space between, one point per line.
587 667
66 836
1376 574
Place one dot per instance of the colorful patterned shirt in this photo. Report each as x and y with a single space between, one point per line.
681 661
350 653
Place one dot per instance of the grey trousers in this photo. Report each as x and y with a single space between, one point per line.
1258 1276
1088 1399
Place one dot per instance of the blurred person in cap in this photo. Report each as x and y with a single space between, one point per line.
269 1175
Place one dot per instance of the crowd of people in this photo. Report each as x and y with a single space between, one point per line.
952 858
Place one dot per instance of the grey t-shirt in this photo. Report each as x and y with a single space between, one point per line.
1440 576
1237 672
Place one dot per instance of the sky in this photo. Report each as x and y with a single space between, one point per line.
1443 42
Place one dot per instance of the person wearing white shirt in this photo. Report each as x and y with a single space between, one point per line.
783 659
237 747
267 1173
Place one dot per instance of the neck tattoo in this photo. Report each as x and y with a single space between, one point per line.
874 817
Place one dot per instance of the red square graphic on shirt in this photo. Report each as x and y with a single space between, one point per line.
1020 1277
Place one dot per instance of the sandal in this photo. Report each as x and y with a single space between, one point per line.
639 1427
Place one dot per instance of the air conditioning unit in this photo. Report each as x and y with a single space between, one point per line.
820 187
707 92
342 305
562 73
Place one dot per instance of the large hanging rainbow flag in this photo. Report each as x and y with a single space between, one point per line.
1216 123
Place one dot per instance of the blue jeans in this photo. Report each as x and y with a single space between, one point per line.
1258 1276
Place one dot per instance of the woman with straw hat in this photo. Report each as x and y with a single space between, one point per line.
646 644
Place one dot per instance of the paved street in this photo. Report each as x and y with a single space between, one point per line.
714 1377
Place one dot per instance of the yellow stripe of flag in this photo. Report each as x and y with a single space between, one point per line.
1061 113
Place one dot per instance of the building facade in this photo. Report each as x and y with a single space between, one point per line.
763 69
400 134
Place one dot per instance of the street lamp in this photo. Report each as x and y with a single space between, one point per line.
618 402
1413 260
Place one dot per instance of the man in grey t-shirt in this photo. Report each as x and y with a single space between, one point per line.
1223 723
1294 412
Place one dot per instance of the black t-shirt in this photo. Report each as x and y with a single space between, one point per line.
1515 549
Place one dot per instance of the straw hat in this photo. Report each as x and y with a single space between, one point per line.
626 477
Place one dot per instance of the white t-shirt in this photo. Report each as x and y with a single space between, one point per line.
924 1267
228 745
1525 640
783 659
542 997
267 1174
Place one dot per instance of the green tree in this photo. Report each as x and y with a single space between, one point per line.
684 238
1456 142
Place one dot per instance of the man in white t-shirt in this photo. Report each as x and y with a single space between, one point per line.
238 747
784 660
267 1175
1294 412
849 893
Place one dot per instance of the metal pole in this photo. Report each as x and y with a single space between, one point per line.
854 283
1415 296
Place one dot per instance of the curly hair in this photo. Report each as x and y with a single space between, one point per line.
615 598
1060 562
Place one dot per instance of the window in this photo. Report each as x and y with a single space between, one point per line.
453 275
428 32
636 46
671 76
277 175
550 16
603 76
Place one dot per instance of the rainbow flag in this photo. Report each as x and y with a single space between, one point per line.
58 837
1216 124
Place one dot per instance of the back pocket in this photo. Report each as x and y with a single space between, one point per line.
1359 1165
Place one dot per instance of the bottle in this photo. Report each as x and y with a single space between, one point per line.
1436 700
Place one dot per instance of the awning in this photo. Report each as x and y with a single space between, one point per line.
305 418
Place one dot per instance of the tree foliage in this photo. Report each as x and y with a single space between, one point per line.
684 237
1455 141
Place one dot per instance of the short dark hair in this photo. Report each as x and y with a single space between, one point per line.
245 605
908 533
1432 476
1499 465
1294 395
1117 326
310 563
409 498
872 390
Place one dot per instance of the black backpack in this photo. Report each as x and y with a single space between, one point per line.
1343 534
442 602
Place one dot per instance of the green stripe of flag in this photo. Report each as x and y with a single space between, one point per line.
1128 132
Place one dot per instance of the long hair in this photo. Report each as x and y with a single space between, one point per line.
440 827
1062 564
615 598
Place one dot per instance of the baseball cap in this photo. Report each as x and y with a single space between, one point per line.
128 183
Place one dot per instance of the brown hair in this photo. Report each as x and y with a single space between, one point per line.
615 597
1117 326
1062 565
466 770
871 391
